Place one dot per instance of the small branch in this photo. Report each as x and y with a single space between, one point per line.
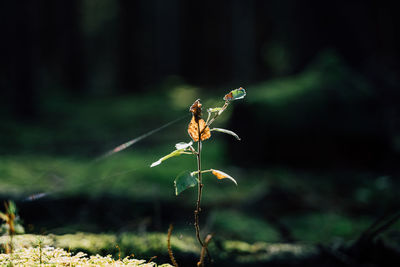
193 150
203 250
208 117
196 172
171 255
209 122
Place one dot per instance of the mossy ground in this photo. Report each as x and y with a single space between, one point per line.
50 256
114 247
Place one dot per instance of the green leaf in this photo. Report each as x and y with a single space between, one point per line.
184 181
238 93
222 175
235 94
213 109
170 155
226 131
12 208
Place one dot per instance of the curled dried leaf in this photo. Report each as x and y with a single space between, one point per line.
193 130
195 108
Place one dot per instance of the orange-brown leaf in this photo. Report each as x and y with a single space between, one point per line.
193 130
196 109
222 175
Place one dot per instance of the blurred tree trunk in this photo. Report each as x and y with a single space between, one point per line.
61 45
167 36
206 46
243 41
137 53
19 57
193 41
128 52
5 62
71 44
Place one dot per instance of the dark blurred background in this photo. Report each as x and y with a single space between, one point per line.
319 125
107 48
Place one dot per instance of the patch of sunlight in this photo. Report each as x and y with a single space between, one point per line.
182 96
282 90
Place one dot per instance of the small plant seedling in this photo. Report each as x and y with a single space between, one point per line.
199 130
12 224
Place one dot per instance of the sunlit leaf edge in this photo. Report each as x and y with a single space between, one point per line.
226 132
170 155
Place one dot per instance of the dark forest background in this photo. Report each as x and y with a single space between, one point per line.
105 48
119 47
319 125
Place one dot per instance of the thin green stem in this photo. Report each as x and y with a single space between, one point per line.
208 117
187 153
210 121
198 203
205 171
199 191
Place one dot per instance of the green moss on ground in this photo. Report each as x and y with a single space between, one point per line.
185 249
50 256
